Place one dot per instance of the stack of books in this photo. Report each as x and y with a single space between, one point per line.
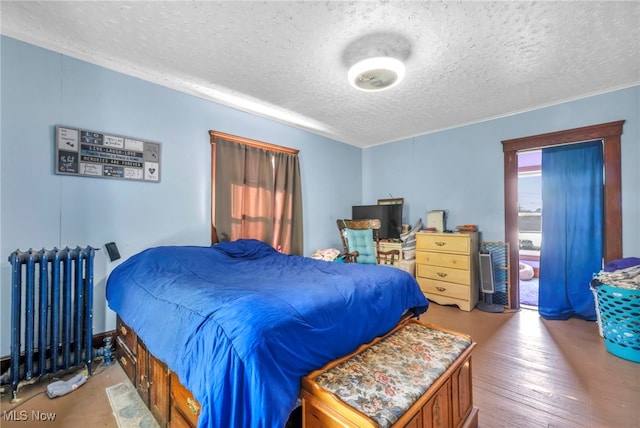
466 228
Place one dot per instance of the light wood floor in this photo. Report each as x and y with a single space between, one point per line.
527 372
86 407
531 372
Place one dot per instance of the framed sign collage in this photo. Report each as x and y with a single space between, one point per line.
89 153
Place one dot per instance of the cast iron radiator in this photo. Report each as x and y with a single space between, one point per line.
51 312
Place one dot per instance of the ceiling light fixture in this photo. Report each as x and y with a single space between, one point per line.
376 74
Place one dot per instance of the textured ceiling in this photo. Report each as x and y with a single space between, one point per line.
466 61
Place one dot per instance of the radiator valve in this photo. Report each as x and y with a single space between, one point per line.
105 351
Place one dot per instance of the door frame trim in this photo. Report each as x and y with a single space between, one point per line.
609 133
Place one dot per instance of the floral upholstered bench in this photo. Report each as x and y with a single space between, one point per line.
416 376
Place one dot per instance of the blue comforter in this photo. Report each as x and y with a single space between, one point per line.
241 323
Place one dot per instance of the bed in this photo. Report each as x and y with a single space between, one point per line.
241 323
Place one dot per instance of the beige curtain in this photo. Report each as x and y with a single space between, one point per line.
258 195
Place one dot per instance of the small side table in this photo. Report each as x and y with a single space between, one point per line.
390 246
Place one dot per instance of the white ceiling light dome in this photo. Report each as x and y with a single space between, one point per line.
376 74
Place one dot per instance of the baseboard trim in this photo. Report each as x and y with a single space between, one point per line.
97 342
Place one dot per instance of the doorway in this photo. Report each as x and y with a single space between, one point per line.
529 225
609 133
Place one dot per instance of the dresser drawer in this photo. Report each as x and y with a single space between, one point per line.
444 274
442 288
183 402
457 243
127 336
454 261
126 359
178 421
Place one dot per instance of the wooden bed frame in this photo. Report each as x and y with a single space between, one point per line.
174 406
169 401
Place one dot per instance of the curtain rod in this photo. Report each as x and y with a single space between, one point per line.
252 143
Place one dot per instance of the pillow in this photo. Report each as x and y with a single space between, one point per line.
245 248
361 240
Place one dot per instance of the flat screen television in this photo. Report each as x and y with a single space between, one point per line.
390 217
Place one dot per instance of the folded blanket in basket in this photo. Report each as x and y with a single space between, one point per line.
623 263
628 278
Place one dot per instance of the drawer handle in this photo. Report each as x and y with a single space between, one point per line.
123 361
123 330
144 383
440 243
440 289
193 407
442 274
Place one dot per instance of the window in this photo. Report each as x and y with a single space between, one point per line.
255 192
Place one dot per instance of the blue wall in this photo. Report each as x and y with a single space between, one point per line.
42 89
460 170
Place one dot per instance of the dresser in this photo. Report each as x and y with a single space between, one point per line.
447 268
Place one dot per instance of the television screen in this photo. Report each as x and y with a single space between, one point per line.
390 217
